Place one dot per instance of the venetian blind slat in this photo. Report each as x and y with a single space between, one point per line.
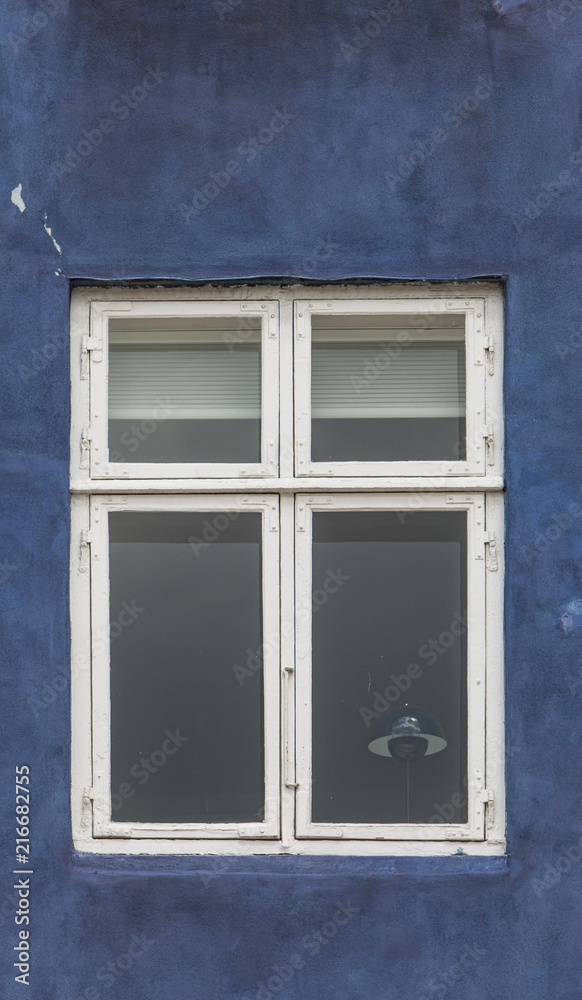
191 383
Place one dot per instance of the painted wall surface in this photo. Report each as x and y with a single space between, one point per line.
354 181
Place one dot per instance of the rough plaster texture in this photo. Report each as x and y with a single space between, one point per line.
314 203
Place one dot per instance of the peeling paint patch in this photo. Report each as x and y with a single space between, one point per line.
51 235
16 198
570 616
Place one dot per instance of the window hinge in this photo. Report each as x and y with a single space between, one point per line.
273 517
89 344
86 437
301 515
87 807
488 800
491 551
489 444
489 351
86 539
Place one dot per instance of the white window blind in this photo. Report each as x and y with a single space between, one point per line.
192 381
387 379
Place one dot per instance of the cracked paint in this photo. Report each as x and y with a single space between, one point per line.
51 235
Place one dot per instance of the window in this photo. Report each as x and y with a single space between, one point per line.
286 565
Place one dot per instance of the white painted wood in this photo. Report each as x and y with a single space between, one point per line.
332 848
80 609
80 308
104 826
287 675
181 487
291 485
103 311
495 691
494 383
286 422
415 310
474 504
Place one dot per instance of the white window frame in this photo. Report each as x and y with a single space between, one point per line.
295 491
479 360
475 506
103 823
94 364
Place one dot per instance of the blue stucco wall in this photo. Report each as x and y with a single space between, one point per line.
315 202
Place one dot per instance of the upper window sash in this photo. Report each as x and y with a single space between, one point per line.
418 375
158 386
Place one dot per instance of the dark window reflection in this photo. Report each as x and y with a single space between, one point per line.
394 633
187 737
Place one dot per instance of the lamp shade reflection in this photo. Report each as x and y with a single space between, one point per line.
407 733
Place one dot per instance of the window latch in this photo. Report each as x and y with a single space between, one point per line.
489 351
86 436
86 539
489 444
288 701
491 551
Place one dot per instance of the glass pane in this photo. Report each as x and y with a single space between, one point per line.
185 390
186 738
385 391
389 646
